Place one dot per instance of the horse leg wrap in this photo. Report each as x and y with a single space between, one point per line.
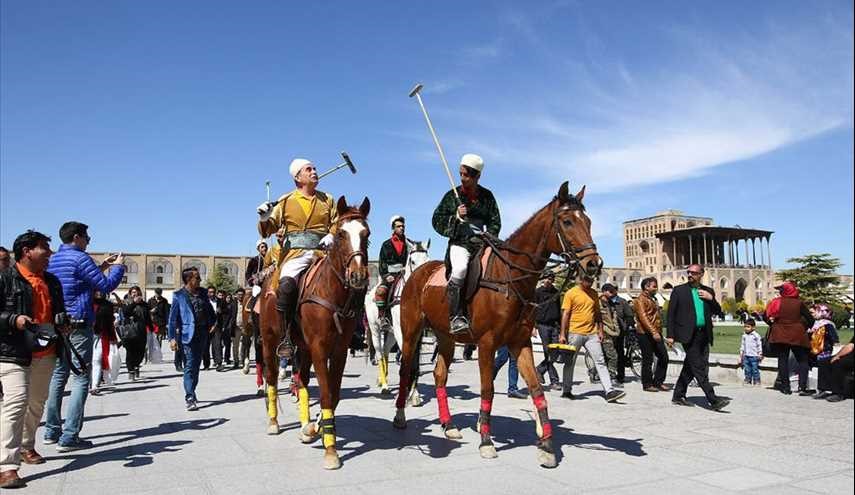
383 370
328 427
303 396
259 375
543 415
403 387
484 421
272 396
442 404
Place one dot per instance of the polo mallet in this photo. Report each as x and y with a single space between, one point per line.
346 163
415 92
267 186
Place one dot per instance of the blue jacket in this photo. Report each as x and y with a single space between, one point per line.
80 277
181 317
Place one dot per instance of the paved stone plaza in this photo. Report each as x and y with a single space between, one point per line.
147 443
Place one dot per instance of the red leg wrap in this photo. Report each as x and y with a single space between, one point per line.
543 415
486 408
539 402
403 389
442 403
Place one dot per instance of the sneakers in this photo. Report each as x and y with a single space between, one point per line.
516 394
246 366
614 395
50 441
568 395
821 395
78 444
555 386
681 401
651 388
719 404
835 398
191 405
806 392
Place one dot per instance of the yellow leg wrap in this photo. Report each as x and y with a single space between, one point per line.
303 395
383 370
272 396
329 438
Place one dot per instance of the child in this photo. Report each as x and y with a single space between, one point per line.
751 353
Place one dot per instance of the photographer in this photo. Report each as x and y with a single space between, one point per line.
25 368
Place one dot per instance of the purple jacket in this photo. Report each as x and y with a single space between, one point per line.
80 277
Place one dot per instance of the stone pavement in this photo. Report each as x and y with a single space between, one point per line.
145 442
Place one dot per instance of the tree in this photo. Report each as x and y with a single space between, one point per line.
757 307
221 280
816 277
729 306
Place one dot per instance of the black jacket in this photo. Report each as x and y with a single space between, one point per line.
547 313
388 256
254 266
623 314
137 320
159 308
16 299
681 314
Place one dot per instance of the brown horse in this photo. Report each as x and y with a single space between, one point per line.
328 306
501 316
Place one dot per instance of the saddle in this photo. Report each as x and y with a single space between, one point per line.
478 265
303 281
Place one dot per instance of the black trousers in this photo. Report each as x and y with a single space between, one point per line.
548 335
135 352
802 367
217 346
620 376
649 348
823 375
695 365
839 371
226 338
206 353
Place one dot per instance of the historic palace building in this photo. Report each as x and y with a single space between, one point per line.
737 260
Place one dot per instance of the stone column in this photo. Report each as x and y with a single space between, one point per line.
747 258
704 236
690 250
769 250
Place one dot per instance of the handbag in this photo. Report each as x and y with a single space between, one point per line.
115 360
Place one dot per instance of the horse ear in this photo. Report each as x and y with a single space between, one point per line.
580 194
341 206
563 195
365 207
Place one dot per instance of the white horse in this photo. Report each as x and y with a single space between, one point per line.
384 340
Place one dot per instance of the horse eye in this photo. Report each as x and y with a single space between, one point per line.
567 222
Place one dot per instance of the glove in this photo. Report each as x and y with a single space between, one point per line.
326 241
265 209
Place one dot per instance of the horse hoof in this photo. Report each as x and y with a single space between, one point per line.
488 452
385 391
546 459
273 427
452 433
308 433
416 401
400 421
331 461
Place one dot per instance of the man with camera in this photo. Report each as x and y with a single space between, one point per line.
27 350
80 277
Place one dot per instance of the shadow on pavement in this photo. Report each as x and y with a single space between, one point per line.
230 400
357 438
118 390
133 455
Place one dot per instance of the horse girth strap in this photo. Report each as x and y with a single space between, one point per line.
348 312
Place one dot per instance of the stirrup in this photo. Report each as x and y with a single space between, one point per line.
285 349
385 323
458 325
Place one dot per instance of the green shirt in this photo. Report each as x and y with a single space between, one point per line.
700 320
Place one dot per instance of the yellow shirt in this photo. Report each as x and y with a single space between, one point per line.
584 306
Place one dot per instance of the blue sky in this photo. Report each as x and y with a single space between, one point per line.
157 123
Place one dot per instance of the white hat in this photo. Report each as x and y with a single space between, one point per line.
259 242
396 218
473 161
296 165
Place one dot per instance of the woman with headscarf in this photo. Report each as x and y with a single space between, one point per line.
790 320
137 322
105 334
823 336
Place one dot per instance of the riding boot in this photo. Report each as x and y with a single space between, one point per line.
456 316
286 302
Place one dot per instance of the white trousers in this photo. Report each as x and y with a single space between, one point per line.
296 266
459 257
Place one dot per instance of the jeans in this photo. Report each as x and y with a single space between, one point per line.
592 347
192 361
751 369
503 356
82 340
548 335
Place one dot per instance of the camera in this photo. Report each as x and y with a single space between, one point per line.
62 320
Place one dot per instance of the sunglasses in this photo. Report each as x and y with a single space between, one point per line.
694 273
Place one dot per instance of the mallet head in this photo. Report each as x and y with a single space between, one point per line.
416 90
349 163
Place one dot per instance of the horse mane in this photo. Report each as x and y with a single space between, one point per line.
572 201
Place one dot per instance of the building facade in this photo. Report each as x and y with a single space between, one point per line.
737 260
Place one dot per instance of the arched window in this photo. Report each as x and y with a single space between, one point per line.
199 265
159 272
723 283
